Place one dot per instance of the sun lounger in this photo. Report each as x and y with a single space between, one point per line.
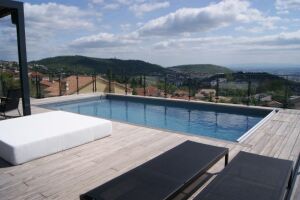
250 176
162 177
27 138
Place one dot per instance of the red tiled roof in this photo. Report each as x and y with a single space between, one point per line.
52 87
83 81
46 83
34 74
150 91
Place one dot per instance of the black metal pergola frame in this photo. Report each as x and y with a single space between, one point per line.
16 10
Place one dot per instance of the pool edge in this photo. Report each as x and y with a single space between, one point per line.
257 126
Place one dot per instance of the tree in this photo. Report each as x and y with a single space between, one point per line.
8 81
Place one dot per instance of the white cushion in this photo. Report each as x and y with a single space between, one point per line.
27 138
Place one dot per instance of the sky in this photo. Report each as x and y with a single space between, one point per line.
164 32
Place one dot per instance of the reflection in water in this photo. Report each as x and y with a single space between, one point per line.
95 110
216 122
189 120
210 123
247 124
78 109
145 114
110 110
126 110
165 116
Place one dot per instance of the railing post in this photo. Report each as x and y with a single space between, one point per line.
217 89
36 85
286 93
59 85
144 85
126 82
189 83
1 83
109 84
249 89
95 82
165 88
77 84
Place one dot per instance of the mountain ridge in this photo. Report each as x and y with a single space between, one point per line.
84 64
201 68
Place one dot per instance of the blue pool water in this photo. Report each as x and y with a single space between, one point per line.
205 120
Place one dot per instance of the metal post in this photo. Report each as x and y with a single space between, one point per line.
249 89
165 86
109 83
144 85
1 83
189 82
18 19
95 83
286 93
217 90
126 83
36 85
226 159
59 85
77 83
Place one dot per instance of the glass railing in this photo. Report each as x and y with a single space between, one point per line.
257 89
51 85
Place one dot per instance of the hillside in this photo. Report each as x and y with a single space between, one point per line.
82 64
201 69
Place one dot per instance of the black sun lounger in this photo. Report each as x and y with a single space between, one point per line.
162 177
250 177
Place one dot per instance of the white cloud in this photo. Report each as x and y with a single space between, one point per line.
207 18
140 9
256 29
8 41
288 39
284 6
48 24
104 40
112 6
97 1
284 40
124 2
125 27
56 16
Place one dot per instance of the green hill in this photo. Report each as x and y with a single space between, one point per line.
82 64
201 69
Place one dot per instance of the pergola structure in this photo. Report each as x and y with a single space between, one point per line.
16 10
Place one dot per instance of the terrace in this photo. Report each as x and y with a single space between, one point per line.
69 173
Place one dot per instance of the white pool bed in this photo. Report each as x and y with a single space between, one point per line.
26 138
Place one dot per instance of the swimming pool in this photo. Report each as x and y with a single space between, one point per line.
212 120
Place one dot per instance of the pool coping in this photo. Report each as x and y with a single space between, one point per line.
256 126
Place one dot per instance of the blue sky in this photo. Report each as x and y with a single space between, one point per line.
165 32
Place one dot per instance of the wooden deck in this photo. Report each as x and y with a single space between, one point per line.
68 174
